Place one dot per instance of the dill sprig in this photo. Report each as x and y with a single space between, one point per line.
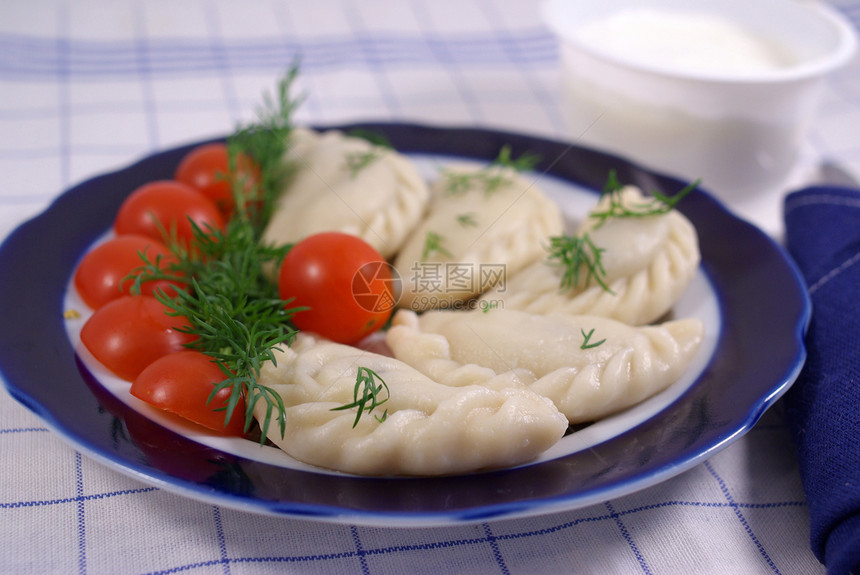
654 206
241 334
524 163
433 245
230 304
586 340
492 177
366 394
265 141
577 255
234 310
357 161
458 183
467 220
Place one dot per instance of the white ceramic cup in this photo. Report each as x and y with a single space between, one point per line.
740 130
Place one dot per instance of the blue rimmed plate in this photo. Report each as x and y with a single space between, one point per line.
748 292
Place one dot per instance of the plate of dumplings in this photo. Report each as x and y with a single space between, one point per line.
570 327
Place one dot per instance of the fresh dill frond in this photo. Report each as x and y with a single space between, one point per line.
265 141
231 306
586 340
241 334
433 245
524 163
617 208
467 220
492 177
577 255
458 183
234 310
357 161
366 394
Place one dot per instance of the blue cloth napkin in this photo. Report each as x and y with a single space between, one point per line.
823 407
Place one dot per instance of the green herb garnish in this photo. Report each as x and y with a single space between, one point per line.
654 206
357 161
587 338
433 245
233 308
467 220
577 255
366 394
265 141
524 163
491 177
236 313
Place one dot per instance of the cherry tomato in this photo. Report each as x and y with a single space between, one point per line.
347 285
181 383
163 449
100 274
167 206
129 333
207 169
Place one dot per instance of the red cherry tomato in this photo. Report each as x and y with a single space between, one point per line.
181 383
344 281
207 169
129 333
167 206
100 274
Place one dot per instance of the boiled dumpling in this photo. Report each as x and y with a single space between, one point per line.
483 224
429 428
344 183
588 366
648 263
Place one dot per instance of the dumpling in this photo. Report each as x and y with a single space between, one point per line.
429 428
347 184
588 366
483 224
648 262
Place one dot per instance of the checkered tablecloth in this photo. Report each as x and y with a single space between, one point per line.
90 86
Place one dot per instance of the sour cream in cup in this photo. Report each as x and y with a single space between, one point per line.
722 90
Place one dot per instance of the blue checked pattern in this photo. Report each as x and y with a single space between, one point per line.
88 86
